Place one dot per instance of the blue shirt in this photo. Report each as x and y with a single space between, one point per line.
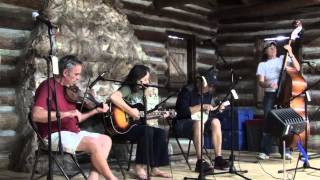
188 97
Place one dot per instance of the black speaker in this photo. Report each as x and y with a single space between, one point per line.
286 121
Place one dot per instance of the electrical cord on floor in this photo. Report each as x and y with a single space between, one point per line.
261 167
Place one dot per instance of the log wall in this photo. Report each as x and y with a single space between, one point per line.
151 26
238 37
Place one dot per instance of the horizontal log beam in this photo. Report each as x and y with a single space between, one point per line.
308 23
302 13
196 9
177 14
7 143
7 96
146 34
9 75
234 51
312 80
154 50
250 37
33 4
311 55
16 18
9 43
263 9
8 60
13 39
206 60
313 68
159 4
236 62
156 34
8 121
138 18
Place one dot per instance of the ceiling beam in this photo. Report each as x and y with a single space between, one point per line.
262 9
159 4
33 4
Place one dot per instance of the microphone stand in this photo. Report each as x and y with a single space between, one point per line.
234 96
201 173
162 102
49 102
232 169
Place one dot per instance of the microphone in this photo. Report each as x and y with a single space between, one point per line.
39 17
97 79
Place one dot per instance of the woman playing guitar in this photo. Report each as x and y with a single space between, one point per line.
131 91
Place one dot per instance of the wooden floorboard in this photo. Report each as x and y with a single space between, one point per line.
247 161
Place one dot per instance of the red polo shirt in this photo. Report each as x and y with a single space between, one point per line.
67 123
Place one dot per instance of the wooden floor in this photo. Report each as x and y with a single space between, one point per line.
247 161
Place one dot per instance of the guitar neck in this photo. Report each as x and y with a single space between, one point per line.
152 114
158 114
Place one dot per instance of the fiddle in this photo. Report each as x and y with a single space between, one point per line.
87 100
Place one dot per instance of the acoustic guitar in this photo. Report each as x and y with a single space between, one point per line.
120 121
205 114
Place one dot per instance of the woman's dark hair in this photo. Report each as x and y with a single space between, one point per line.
136 73
264 51
68 62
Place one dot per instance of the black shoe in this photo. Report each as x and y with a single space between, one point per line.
220 163
206 167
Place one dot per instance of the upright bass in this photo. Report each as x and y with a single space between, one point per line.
292 84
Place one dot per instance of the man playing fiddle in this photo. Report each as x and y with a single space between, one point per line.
73 139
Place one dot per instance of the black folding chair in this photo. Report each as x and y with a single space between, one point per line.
43 150
173 134
186 156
